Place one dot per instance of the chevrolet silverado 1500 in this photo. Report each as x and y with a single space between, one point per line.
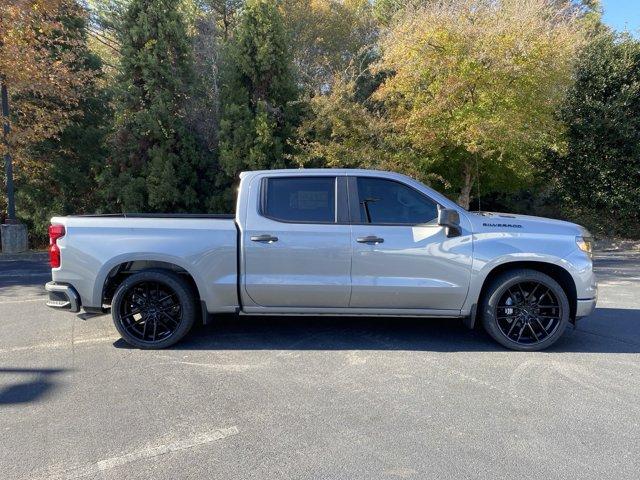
338 242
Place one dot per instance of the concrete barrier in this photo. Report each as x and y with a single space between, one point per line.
14 237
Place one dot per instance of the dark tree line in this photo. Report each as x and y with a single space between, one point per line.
182 95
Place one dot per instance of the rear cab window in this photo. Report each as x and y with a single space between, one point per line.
299 199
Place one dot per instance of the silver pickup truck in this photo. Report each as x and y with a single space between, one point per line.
326 242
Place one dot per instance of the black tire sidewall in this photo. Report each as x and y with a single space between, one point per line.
185 295
495 291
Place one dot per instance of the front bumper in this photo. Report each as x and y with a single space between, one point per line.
580 265
62 297
585 307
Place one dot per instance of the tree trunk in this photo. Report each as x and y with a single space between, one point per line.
465 193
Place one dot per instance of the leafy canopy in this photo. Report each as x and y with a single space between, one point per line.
474 84
43 71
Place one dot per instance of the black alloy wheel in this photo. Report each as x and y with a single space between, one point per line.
153 309
525 310
528 312
150 311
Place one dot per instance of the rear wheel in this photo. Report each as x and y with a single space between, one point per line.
153 309
525 310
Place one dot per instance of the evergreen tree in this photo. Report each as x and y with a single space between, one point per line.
599 176
156 165
258 95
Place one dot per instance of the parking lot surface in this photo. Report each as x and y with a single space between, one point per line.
317 398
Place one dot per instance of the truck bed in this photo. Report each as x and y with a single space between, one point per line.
204 245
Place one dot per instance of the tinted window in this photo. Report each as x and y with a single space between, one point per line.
386 201
310 199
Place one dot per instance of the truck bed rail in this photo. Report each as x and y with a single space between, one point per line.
215 216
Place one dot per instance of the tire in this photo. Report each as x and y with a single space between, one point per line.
153 309
525 310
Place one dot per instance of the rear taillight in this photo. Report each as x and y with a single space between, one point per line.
55 232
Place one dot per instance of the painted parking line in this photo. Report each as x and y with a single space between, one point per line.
25 300
60 344
150 451
25 275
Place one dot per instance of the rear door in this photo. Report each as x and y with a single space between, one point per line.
401 258
297 243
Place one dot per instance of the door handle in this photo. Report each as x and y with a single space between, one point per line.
264 238
370 239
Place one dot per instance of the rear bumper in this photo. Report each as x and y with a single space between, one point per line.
585 307
62 297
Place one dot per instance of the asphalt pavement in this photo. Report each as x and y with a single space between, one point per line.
317 398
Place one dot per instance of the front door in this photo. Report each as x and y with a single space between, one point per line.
297 248
401 258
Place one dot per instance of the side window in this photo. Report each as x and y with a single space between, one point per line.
386 201
300 199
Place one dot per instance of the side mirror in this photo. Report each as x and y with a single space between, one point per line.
450 219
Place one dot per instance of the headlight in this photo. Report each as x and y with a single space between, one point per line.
585 244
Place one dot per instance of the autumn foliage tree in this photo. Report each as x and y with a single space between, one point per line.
340 132
475 85
43 69
329 35
64 182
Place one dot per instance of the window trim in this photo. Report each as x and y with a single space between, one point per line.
354 203
340 190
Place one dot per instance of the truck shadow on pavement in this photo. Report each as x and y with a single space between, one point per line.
609 330
38 385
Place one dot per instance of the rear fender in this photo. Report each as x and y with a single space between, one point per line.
111 265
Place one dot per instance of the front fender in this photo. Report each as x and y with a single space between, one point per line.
492 250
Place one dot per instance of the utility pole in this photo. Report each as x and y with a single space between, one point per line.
8 165
13 235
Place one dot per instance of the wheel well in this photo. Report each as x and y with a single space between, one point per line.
559 274
120 272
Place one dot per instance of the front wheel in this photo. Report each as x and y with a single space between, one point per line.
153 309
525 310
